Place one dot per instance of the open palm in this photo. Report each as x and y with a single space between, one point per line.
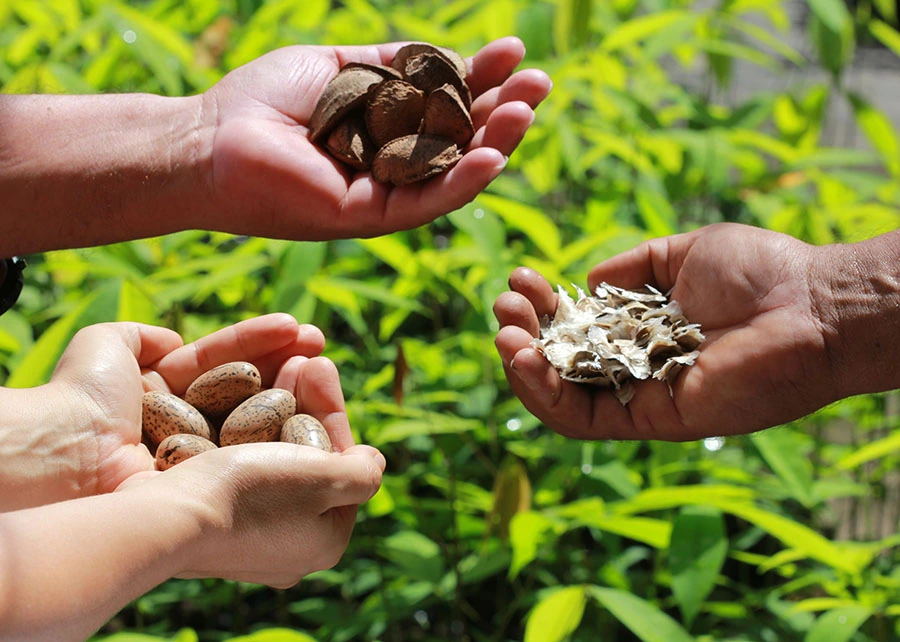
107 367
269 179
762 363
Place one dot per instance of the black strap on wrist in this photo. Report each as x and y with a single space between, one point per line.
10 281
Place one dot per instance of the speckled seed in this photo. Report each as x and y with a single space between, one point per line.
306 430
217 392
164 414
260 418
176 448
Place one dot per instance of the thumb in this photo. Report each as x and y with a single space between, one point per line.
354 475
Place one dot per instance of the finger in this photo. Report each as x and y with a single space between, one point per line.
510 340
249 340
571 409
410 206
652 262
318 392
530 86
512 308
352 477
494 63
308 343
505 128
99 343
536 289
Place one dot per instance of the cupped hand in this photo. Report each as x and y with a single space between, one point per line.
269 179
102 375
269 513
764 361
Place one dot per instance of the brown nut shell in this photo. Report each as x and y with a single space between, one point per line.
446 116
395 109
220 390
388 73
429 71
164 414
414 158
259 418
176 448
306 430
415 48
350 143
346 92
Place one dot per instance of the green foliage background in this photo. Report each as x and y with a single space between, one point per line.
489 527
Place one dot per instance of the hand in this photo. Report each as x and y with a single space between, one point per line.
269 179
94 396
764 361
270 513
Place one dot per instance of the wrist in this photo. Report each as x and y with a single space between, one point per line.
100 169
857 295
41 448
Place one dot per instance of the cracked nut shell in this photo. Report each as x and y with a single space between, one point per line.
346 91
414 158
395 109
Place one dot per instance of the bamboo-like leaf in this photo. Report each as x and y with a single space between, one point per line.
779 449
36 367
394 251
879 131
272 635
641 617
885 34
633 31
838 625
135 304
531 221
697 551
873 450
528 531
556 616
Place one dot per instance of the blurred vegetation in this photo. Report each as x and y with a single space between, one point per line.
489 528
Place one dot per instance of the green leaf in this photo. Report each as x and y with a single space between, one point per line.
528 531
135 304
657 213
394 251
155 43
530 220
556 616
868 452
571 26
879 131
274 635
887 35
40 361
780 450
417 556
642 618
838 625
299 263
633 31
832 13
394 431
697 551
654 532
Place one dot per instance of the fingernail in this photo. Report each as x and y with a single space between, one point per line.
380 460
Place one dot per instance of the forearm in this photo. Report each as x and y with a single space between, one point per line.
88 170
66 569
858 300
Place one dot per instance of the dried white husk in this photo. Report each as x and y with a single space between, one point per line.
618 336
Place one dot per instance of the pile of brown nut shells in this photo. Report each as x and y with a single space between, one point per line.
224 406
405 122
